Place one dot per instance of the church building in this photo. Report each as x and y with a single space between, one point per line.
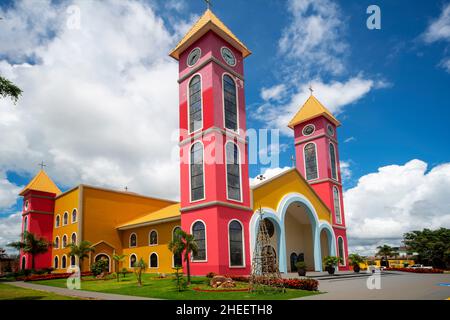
302 207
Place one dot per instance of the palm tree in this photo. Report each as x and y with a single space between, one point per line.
31 244
386 251
118 258
9 89
81 251
184 242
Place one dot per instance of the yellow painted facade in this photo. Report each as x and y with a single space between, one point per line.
397 263
270 193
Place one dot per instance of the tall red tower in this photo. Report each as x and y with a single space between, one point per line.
316 150
37 217
215 192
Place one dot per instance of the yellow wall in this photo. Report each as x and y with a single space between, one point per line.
66 203
104 210
270 194
143 249
392 263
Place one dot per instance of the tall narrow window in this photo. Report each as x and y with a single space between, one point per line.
236 244
333 161
74 238
56 263
24 263
337 205
230 103
311 162
74 215
25 224
153 238
133 260
133 240
57 242
197 185
341 251
64 262
199 233
65 218
58 221
195 104
177 258
72 261
233 172
64 241
153 260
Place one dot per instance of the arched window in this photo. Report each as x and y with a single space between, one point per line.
64 262
153 238
177 258
65 218
74 215
230 103
56 263
195 104
72 261
25 224
153 260
337 205
233 172
236 244
341 251
293 259
58 221
133 240
333 161
133 260
311 162
197 183
64 241
199 233
24 263
74 238
57 242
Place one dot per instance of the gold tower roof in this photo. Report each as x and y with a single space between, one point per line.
208 21
312 109
41 182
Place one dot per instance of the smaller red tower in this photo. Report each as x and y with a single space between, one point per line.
317 159
37 216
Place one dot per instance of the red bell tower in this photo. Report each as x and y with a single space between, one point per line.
215 192
37 217
316 150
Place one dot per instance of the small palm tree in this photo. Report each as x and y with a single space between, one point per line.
139 268
118 258
32 245
355 259
184 242
81 251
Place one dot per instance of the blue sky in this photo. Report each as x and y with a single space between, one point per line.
388 87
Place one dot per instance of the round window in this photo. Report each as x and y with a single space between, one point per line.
330 130
308 130
194 56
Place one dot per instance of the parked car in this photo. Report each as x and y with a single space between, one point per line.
419 266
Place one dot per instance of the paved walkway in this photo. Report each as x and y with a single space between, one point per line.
77 293
393 286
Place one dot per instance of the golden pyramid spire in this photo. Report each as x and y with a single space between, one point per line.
41 182
312 109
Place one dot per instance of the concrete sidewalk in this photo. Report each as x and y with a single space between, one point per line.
77 293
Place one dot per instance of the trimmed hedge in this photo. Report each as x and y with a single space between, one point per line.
416 270
53 276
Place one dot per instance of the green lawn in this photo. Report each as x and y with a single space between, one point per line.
165 289
9 292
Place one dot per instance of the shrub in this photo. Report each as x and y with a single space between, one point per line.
99 266
37 277
301 284
416 270
211 275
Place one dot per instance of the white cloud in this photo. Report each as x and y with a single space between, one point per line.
346 172
439 30
334 95
10 230
349 139
277 92
313 39
397 199
267 174
8 192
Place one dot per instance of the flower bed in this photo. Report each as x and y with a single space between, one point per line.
53 276
301 284
416 270
220 290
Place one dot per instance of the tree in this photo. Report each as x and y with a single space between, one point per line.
9 89
184 242
31 244
118 258
386 251
139 268
3 254
355 259
81 251
432 246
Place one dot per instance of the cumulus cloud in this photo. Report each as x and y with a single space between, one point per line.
439 30
397 199
267 174
10 230
277 92
346 172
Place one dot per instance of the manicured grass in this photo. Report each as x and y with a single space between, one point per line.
165 289
9 292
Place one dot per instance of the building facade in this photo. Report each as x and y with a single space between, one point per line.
302 207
